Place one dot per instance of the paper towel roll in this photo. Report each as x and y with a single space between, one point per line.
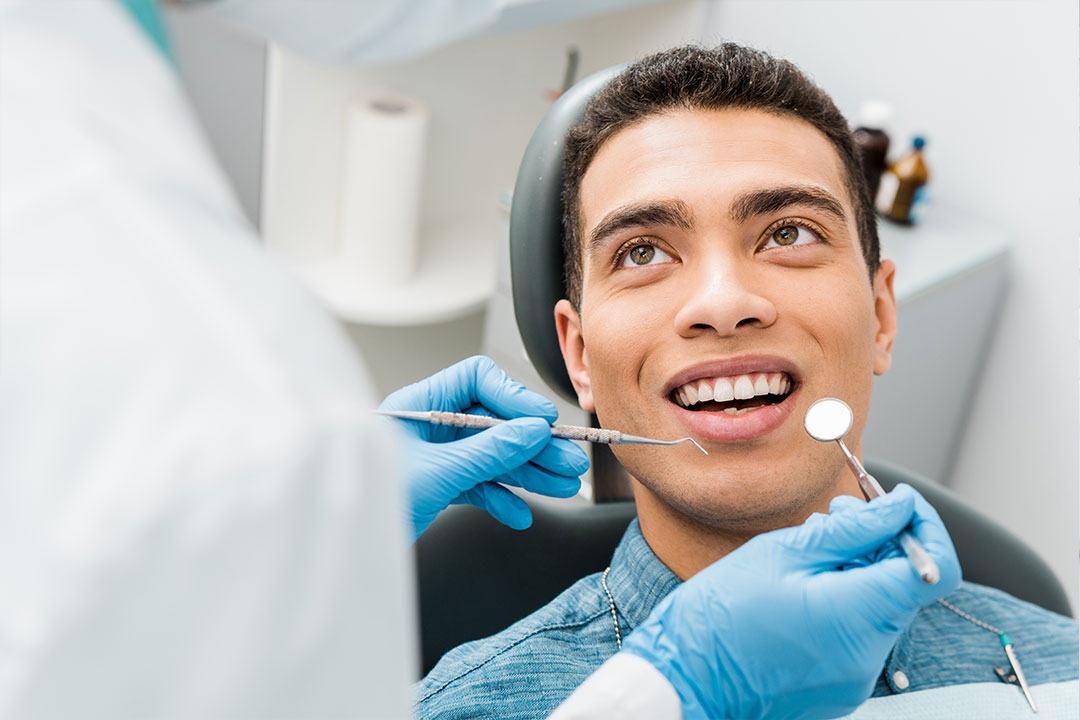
380 194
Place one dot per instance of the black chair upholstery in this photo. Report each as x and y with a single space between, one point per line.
477 577
536 256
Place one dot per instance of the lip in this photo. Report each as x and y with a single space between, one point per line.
732 366
721 427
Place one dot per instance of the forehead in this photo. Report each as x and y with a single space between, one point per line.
705 157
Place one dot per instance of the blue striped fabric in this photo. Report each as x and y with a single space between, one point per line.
528 669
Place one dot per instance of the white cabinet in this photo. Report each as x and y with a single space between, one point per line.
951 275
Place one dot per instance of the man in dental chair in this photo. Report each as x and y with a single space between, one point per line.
722 274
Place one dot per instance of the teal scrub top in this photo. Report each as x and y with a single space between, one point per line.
147 14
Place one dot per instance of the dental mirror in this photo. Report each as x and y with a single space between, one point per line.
828 419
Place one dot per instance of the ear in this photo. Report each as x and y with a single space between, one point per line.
885 313
568 325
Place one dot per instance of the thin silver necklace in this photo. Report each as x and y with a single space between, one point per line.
614 615
1016 677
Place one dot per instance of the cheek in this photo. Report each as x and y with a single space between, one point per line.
619 337
841 320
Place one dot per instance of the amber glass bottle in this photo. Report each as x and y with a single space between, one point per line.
873 142
902 186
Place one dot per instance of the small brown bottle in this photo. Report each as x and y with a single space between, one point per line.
873 142
903 186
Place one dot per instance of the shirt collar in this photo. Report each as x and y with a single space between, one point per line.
638 580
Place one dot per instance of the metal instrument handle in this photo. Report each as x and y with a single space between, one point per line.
463 420
593 435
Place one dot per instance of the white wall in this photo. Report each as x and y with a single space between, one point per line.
223 72
994 87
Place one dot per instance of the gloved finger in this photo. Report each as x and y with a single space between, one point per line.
447 433
888 549
903 584
479 381
422 395
504 396
889 591
847 503
925 525
473 380
842 503
562 457
537 480
500 503
493 452
427 432
930 531
859 562
567 458
831 540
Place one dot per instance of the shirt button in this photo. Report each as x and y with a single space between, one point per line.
900 680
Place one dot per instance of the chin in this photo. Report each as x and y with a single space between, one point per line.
738 503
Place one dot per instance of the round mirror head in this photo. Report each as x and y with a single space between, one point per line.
828 419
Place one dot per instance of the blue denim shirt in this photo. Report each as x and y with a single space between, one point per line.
526 670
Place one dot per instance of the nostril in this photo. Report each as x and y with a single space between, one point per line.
751 321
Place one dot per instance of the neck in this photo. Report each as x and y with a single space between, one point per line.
687 545
682 543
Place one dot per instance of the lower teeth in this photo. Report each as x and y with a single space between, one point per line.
741 411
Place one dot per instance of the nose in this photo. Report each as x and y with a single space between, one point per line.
726 298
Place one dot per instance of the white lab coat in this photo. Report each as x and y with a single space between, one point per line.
198 516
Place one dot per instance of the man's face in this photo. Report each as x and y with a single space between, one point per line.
721 259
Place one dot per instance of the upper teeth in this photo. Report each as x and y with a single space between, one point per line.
737 387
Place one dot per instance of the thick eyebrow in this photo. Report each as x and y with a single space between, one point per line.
767 202
670 213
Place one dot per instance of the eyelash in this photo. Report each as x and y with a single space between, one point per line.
629 245
797 222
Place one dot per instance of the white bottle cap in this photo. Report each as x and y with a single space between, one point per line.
874 114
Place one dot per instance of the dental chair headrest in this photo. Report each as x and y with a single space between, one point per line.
536 232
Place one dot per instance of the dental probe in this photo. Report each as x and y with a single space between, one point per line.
830 419
569 432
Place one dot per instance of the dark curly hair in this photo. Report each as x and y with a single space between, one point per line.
697 78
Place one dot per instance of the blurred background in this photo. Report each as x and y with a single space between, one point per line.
983 397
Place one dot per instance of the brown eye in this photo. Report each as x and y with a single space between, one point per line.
642 254
786 235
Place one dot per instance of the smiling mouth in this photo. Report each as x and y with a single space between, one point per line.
734 395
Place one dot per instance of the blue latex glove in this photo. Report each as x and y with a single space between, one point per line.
448 465
798 623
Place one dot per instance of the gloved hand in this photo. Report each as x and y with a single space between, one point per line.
448 465
798 622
